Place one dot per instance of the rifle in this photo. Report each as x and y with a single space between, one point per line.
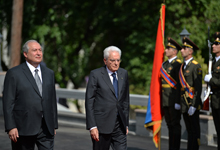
208 90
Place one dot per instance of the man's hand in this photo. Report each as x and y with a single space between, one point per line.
13 134
55 132
127 131
95 134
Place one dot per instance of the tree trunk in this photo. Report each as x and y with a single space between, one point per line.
16 30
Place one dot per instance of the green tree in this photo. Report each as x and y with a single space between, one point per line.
74 33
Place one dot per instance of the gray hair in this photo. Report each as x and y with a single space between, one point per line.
107 50
25 46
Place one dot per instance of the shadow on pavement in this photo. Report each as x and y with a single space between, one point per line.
68 138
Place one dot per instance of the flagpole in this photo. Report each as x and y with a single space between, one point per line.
159 134
159 140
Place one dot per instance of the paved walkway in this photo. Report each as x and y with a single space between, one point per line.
69 138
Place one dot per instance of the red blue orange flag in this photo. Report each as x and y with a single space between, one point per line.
154 115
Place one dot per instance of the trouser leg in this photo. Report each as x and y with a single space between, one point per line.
45 141
216 118
172 117
103 143
193 129
119 137
24 143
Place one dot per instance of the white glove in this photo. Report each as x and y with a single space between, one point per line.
207 77
191 110
177 106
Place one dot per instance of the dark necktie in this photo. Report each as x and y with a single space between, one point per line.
38 81
115 84
213 63
184 65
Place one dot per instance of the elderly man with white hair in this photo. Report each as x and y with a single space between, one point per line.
107 103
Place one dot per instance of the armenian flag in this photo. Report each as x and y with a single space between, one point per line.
154 115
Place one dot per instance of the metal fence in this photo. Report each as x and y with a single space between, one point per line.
135 99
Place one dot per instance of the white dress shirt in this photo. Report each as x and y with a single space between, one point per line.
171 59
187 61
110 74
217 58
32 69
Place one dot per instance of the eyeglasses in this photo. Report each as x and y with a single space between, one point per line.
215 43
114 60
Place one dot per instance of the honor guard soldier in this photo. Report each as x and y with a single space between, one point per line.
214 81
171 93
190 76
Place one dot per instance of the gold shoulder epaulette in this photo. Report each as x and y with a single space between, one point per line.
178 60
194 62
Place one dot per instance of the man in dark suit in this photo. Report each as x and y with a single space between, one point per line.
171 93
107 103
214 81
191 82
29 102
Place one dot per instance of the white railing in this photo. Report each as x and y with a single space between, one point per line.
135 99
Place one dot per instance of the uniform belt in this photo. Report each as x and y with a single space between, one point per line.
215 88
183 89
166 86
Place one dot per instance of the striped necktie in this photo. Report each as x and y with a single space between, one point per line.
38 81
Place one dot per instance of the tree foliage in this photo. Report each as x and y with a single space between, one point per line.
74 33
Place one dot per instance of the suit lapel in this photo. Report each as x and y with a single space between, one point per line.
187 66
216 63
168 66
107 80
30 77
120 82
165 65
44 79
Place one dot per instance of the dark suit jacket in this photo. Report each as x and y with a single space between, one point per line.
23 105
170 96
102 106
193 76
215 85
